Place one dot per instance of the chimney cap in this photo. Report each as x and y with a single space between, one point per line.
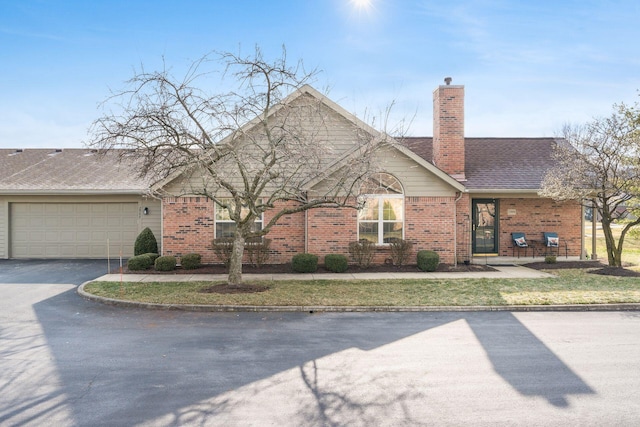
447 80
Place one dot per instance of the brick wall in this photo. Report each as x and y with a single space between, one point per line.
188 226
448 130
428 224
535 216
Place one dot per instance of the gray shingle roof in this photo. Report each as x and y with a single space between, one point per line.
67 171
497 163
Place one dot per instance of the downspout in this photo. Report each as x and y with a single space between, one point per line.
455 229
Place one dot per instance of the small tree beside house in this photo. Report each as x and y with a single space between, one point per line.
599 165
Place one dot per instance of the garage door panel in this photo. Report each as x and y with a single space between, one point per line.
72 230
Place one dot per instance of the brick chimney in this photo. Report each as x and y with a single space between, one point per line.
448 129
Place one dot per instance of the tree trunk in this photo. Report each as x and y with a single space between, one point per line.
235 263
614 252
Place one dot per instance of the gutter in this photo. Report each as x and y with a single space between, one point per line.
137 192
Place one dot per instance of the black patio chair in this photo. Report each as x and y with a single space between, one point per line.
519 243
551 242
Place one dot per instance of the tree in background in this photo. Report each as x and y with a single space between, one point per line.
252 149
598 164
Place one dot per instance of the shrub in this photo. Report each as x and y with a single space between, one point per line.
153 257
223 247
428 260
304 263
400 250
362 252
336 263
139 262
550 259
191 261
145 243
258 251
165 263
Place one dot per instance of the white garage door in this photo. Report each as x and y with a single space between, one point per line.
72 230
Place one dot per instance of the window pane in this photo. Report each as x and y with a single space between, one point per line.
369 231
392 210
391 230
221 213
370 210
381 183
225 229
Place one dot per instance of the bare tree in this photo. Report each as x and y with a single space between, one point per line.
263 146
598 164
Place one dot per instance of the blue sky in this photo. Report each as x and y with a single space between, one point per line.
528 66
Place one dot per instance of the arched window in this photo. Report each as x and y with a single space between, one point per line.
381 218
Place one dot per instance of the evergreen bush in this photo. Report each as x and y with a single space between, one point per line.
191 261
304 263
139 262
145 243
336 263
165 263
428 260
152 256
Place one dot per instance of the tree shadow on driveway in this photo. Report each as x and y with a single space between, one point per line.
121 366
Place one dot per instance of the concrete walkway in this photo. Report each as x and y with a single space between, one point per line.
502 272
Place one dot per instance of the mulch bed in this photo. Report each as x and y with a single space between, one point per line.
286 269
593 266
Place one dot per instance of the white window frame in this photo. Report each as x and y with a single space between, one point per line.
380 187
218 209
381 221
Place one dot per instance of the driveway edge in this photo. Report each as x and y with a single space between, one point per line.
351 309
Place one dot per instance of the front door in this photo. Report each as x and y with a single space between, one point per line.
485 226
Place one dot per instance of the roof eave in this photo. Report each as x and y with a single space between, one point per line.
503 190
58 192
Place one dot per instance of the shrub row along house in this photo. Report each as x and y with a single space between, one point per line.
458 196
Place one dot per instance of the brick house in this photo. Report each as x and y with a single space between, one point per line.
461 197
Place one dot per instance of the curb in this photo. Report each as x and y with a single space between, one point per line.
351 309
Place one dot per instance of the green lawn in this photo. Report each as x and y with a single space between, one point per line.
630 249
569 287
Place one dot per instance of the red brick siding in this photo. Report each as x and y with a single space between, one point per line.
448 129
535 216
287 237
188 226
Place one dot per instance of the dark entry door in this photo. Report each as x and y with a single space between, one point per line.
485 226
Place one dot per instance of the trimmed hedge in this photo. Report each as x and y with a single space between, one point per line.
139 262
336 263
145 243
166 263
304 263
153 257
191 261
428 260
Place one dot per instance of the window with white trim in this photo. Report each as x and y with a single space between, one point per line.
381 218
225 226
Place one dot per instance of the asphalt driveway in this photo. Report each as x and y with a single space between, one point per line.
71 362
74 272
